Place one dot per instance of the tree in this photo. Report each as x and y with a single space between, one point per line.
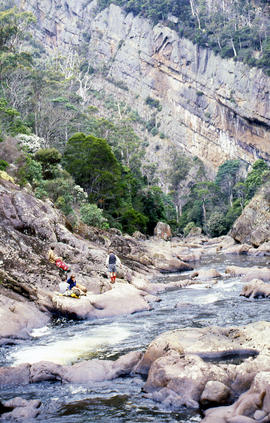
208 194
227 177
153 206
49 159
13 31
93 165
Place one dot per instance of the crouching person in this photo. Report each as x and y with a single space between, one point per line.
73 284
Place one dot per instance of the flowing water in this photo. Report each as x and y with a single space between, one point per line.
122 399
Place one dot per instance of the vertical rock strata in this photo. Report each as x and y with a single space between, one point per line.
212 108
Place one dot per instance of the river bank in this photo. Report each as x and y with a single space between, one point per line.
164 285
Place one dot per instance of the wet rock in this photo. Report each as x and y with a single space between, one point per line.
173 265
185 376
21 409
206 274
82 372
241 249
257 273
99 370
256 289
19 317
214 392
19 375
45 370
252 406
188 361
239 271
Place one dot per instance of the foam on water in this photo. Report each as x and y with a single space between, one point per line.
36 333
69 350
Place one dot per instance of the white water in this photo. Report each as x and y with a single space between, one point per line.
67 351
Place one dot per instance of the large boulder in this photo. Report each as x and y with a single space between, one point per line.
252 406
163 231
20 318
193 366
122 299
253 226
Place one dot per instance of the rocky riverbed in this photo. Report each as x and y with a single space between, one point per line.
192 368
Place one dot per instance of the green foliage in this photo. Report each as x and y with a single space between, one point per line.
10 120
216 224
93 216
93 165
3 164
255 177
153 206
227 177
132 220
13 30
188 228
154 103
233 213
49 159
30 172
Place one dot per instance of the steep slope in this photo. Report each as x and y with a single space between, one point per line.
212 108
252 226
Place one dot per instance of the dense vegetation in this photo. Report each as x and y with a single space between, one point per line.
214 206
92 166
238 29
88 165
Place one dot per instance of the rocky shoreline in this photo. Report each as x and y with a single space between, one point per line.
175 364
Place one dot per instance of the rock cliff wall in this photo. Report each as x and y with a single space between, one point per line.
212 108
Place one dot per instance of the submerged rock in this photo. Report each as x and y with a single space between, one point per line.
20 409
83 372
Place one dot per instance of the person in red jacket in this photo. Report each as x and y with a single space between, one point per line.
58 261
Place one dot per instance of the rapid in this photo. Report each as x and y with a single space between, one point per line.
122 399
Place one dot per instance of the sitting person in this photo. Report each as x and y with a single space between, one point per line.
73 284
58 261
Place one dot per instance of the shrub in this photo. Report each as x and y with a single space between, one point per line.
32 143
31 172
3 164
188 228
93 216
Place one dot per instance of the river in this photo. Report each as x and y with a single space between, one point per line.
122 399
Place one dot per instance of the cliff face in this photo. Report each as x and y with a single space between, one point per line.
212 108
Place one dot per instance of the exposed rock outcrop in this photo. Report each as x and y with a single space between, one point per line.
194 367
253 225
163 231
28 227
213 108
